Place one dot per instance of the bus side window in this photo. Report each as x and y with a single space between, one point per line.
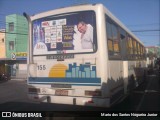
123 43
138 48
135 49
109 38
113 40
130 47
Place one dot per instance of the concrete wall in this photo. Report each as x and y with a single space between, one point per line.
2 44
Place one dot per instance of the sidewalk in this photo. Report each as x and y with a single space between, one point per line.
18 78
145 98
149 94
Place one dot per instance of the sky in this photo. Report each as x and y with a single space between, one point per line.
140 16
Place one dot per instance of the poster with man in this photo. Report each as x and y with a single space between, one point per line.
71 33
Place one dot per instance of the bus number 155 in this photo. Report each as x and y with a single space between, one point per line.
41 67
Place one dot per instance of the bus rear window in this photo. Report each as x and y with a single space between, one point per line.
65 33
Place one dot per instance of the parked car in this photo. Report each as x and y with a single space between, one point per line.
4 77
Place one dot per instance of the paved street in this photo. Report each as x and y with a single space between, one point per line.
13 91
144 98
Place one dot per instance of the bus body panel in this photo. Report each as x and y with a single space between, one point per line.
78 77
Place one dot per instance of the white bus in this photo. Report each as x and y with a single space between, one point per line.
82 55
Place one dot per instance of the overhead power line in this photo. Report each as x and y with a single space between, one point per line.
13 33
144 30
142 24
27 34
147 35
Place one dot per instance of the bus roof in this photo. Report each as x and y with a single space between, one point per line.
79 7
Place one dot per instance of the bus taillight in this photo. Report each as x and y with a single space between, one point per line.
33 90
93 93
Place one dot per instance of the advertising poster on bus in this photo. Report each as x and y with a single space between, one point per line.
68 33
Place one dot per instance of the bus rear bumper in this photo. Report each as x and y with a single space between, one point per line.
84 101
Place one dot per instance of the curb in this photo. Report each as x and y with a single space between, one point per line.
22 79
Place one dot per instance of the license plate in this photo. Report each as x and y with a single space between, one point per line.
60 56
60 86
61 92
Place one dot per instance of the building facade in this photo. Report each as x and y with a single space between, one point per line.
153 52
2 51
16 45
2 44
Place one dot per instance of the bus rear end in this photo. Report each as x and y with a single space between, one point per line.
64 66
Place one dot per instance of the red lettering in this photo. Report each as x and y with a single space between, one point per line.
45 23
39 46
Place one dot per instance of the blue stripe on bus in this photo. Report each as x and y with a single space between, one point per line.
72 81
69 84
